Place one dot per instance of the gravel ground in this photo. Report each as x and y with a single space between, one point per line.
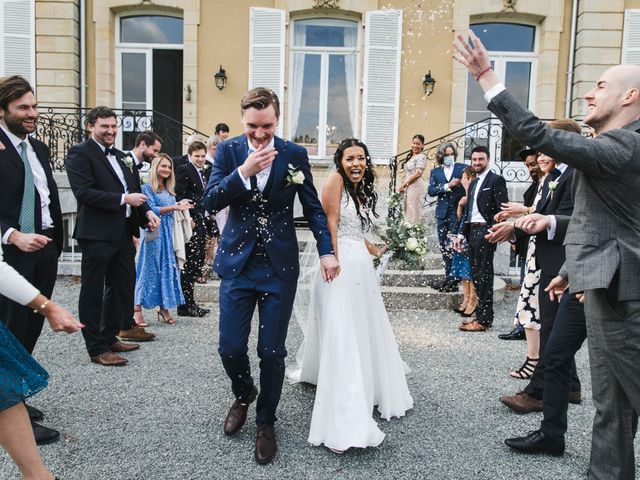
161 416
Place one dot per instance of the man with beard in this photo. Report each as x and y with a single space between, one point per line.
30 217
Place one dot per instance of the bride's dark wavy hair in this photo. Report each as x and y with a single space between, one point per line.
363 193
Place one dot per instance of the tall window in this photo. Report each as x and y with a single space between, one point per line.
322 86
512 50
149 73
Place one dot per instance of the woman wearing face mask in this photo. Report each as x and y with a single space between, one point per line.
413 186
444 183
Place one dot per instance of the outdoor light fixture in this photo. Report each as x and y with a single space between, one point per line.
428 84
220 78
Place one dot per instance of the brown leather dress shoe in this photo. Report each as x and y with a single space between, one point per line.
238 414
575 397
472 327
120 347
522 402
266 446
136 334
109 359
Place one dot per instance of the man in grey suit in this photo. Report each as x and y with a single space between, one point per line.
602 240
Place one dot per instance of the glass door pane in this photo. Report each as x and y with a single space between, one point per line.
341 100
517 78
305 101
134 81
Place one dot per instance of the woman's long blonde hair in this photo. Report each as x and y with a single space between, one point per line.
154 182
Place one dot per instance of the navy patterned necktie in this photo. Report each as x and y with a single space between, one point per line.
28 208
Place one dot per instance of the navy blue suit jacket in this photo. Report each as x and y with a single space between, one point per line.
447 200
271 216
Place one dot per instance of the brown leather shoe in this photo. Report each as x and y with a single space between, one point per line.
238 414
109 359
575 397
120 347
522 402
266 446
136 334
472 327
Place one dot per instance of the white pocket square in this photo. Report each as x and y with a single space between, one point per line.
485 189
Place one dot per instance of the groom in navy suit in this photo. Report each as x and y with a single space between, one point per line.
257 175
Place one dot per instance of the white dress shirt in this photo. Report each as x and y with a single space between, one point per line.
39 180
118 169
261 177
476 216
14 286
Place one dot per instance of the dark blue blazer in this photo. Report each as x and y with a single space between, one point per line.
270 216
447 200
493 193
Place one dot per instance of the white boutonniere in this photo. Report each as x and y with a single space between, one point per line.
128 161
294 176
553 185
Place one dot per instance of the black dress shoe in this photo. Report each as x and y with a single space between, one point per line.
516 334
537 442
34 414
44 435
202 311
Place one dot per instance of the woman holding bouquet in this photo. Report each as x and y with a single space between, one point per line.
350 351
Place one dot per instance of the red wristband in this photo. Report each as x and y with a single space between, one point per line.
483 72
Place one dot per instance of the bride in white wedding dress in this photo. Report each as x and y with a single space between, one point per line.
350 351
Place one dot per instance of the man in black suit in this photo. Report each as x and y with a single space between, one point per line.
565 339
30 217
191 180
487 193
110 206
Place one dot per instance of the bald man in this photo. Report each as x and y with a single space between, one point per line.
602 243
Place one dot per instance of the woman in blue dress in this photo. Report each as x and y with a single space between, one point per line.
158 274
21 376
460 263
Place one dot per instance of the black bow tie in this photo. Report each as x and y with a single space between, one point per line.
110 151
138 165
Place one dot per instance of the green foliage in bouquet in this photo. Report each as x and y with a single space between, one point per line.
407 241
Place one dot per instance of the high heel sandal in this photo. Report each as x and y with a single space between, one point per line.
141 323
161 316
470 314
460 309
526 370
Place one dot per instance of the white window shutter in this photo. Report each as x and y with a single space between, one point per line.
631 37
266 52
17 39
381 96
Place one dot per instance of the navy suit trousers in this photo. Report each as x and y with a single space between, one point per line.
256 284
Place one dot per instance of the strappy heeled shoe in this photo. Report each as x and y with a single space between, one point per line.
526 370
460 309
137 309
164 316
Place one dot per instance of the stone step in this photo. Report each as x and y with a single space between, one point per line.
395 297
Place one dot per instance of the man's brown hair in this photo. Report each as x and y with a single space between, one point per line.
11 89
260 98
148 137
196 146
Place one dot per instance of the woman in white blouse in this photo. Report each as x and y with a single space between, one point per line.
21 376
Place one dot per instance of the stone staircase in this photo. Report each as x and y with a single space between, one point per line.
401 289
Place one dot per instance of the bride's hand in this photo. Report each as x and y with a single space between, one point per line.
329 267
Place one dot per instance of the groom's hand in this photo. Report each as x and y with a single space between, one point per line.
329 267
257 161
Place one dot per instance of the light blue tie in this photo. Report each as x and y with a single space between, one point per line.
28 208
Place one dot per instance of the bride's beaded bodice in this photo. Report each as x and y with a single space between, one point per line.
349 224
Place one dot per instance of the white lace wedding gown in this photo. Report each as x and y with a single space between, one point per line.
350 350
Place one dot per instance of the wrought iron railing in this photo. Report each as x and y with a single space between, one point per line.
62 127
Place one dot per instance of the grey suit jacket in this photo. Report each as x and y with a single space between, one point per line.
603 237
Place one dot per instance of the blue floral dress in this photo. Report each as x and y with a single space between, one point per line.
20 375
158 274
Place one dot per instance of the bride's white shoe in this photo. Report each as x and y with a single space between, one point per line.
336 451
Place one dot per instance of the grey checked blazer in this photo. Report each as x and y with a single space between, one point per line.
603 237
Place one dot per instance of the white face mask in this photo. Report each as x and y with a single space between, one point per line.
448 160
